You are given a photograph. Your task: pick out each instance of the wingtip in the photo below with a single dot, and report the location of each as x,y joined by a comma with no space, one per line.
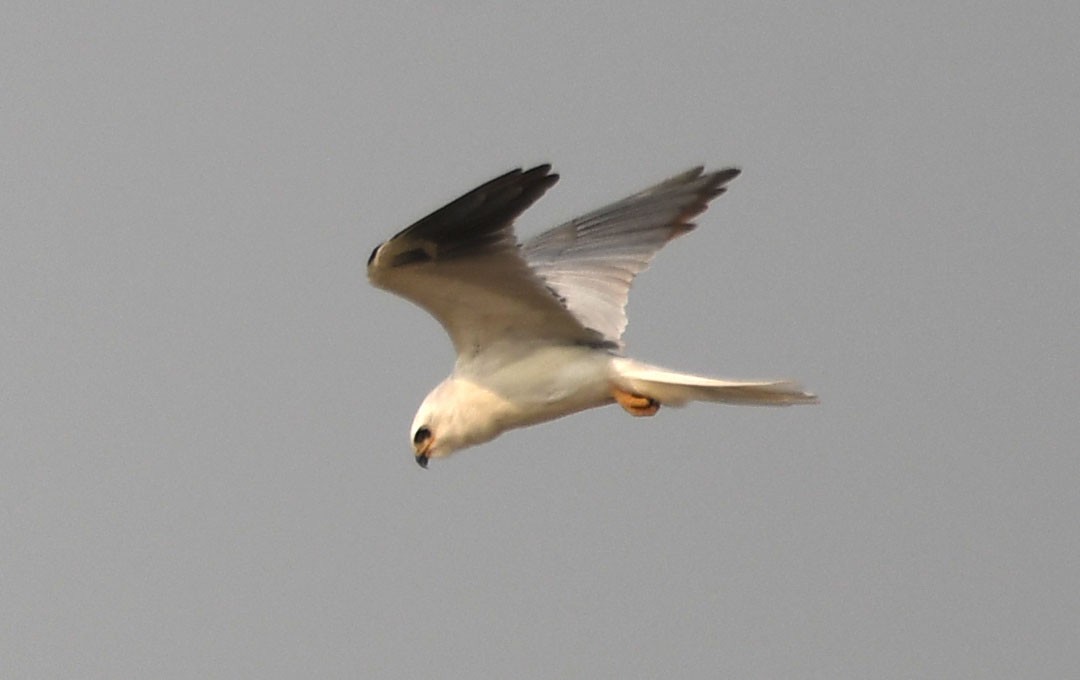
722,175
542,169
720,178
539,176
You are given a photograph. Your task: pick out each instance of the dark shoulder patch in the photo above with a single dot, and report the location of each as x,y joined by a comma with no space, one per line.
599,343
413,256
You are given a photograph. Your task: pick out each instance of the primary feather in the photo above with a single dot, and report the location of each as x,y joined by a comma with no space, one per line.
592,261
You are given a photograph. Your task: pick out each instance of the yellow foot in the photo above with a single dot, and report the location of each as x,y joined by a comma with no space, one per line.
635,404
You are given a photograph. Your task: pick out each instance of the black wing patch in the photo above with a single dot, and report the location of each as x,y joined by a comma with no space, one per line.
477,220
413,256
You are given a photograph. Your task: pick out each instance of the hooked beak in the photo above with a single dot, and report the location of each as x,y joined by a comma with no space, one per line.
422,452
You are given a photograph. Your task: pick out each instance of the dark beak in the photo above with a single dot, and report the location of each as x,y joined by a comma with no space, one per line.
421,460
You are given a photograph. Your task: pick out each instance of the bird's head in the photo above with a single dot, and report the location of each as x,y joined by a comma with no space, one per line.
454,415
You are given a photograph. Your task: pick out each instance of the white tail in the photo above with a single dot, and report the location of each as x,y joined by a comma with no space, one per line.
672,388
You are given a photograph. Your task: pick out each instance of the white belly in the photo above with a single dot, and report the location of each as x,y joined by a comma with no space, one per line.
542,382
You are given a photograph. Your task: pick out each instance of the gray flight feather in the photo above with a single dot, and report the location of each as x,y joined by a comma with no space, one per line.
591,261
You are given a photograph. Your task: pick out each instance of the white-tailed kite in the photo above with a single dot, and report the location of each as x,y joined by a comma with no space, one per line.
537,326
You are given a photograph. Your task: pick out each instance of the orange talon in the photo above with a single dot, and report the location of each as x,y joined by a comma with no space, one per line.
635,404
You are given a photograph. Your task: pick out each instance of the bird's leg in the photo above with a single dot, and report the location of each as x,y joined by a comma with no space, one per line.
635,404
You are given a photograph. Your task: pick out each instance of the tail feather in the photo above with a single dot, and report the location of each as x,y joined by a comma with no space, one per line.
672,388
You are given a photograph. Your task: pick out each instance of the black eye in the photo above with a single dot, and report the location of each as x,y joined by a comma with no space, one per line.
421,436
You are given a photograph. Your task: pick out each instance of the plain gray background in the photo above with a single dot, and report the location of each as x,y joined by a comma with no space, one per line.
205,407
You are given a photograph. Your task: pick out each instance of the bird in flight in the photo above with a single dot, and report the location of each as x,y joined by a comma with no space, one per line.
537,326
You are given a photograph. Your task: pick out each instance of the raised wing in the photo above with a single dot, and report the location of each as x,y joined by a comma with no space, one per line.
462,264
590,262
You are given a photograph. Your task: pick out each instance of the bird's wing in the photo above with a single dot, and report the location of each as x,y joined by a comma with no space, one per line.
463,265
590,262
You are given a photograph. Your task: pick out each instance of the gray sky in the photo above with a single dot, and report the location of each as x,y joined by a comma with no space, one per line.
205,408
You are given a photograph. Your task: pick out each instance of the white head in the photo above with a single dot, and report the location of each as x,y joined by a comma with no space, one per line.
454,415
